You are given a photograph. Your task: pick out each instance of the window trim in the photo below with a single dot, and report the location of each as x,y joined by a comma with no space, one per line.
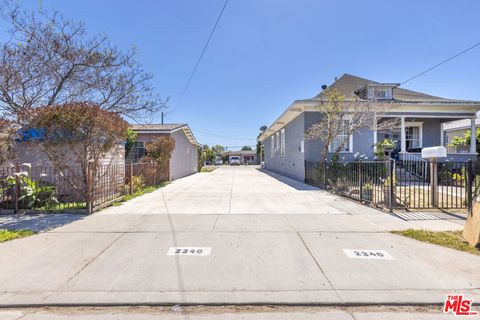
350,141
272,146
282,142
132,155
277,144
419,125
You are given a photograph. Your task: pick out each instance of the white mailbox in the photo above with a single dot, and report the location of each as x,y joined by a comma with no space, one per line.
434,152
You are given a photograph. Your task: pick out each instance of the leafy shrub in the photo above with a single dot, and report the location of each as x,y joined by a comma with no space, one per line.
32,193
138,182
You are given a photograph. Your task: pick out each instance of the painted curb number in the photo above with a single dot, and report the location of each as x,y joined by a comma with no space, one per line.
189,251
367,254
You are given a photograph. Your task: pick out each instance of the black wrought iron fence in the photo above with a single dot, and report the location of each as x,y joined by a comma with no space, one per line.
400,184
47,189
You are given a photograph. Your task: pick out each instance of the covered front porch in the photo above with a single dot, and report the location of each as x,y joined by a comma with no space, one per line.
414,133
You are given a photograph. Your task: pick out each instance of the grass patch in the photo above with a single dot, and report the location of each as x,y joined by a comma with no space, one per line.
449,239
207,169
58,207
139,192
6,235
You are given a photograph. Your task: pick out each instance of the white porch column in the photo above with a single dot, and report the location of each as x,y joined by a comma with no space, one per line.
403,137
473,136
375,133
442,142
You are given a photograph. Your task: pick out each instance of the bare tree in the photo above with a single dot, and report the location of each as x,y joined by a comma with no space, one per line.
7,134
50,60
340,118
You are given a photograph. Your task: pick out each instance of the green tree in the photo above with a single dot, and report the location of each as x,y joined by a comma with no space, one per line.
218,149
130,139
246,148
260,149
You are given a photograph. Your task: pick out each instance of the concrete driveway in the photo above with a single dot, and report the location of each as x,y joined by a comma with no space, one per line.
269,240
238,190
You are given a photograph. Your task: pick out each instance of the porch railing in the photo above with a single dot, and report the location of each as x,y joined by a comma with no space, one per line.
415,165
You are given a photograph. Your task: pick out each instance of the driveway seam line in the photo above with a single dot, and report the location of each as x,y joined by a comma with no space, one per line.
215,223
231,193
319,267
94,258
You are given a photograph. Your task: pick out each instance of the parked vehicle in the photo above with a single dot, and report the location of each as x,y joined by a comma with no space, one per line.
234,161
218,162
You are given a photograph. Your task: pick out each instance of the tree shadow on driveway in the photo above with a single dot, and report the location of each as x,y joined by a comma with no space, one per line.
37,222
289,181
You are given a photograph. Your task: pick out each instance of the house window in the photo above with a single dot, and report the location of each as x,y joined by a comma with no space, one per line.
277,146
282,142
272,146
137,152
302,146
413,136
342,138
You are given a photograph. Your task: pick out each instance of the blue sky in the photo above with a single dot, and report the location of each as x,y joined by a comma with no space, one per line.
267,53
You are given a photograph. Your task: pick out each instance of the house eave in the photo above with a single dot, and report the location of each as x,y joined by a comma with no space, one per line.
447,109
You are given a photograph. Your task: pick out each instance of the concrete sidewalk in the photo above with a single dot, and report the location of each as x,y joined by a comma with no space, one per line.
333,314
260,259
305,255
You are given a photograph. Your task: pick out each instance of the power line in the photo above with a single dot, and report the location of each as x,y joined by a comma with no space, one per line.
214,134
200,57
222,136
439,64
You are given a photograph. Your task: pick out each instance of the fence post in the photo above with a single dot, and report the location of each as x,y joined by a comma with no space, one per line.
434,182
89,188
17,187
360,180
470,183
130,180
391,191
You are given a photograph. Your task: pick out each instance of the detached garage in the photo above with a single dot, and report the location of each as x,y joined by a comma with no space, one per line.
184,160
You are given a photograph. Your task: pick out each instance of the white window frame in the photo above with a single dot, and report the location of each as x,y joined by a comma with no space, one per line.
282,142
419,125
350,141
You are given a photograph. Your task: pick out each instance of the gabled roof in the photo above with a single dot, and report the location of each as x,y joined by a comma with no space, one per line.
348,84
404,101
157,127
165,128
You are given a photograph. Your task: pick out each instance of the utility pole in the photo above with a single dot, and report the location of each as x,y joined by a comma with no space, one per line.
162,117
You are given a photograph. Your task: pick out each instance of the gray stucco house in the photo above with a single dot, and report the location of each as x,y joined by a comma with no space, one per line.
184,160
422,119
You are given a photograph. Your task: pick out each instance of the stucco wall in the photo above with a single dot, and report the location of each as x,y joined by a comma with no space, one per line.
30,152
362,143
292,163
184,159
